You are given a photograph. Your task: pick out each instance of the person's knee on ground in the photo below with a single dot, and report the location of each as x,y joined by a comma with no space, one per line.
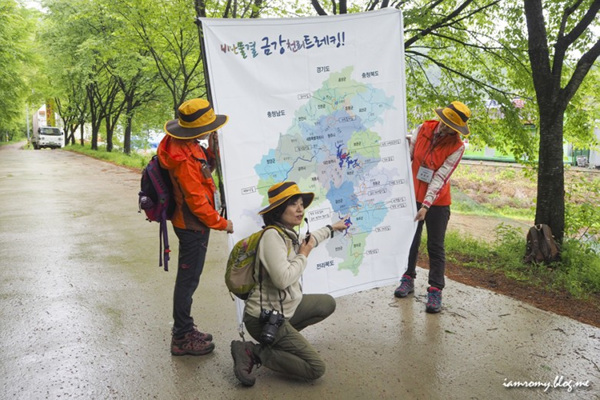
313,309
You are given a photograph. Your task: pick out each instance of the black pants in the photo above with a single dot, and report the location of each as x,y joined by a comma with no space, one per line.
192,253
436,221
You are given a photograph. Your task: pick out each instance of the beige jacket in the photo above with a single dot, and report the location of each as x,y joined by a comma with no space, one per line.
282,272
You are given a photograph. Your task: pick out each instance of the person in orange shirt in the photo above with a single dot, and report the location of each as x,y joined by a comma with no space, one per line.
190,166
436,149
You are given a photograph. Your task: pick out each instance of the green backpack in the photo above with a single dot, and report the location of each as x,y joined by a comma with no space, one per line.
239,274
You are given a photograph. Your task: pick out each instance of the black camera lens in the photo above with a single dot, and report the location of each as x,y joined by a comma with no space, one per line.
275,319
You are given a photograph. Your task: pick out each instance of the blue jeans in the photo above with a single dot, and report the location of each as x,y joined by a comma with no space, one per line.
192,253
436,221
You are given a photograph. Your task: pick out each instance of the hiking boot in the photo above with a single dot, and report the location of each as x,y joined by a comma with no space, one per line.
207,337
407,285
434,300
243,361
191,344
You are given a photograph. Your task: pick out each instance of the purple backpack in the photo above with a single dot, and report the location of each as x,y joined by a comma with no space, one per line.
156,199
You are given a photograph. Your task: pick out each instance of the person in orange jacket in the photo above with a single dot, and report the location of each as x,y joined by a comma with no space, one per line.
436,149
190,167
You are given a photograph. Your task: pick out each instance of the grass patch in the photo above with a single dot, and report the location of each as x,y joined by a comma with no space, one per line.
578,273
488,190
463,204
133,160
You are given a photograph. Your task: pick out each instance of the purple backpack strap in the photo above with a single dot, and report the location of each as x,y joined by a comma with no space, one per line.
164,238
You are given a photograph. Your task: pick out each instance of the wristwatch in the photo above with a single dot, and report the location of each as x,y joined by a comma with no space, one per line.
330,230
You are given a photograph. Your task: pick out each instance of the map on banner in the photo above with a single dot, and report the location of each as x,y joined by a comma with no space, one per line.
332,150
327,111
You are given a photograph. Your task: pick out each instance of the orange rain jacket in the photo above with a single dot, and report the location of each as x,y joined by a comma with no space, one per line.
194,193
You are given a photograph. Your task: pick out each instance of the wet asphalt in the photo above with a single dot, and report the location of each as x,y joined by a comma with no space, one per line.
85,313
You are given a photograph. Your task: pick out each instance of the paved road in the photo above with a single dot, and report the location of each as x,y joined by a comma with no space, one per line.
85,313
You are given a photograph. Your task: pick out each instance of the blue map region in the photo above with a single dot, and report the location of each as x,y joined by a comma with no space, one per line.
370,215
278,171
331,150
342,198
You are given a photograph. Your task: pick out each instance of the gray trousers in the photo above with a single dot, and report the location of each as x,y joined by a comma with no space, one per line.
290,353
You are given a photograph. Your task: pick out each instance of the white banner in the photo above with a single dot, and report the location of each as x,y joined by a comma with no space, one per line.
319,101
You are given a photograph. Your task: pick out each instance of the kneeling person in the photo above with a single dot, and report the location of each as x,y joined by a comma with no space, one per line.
278,295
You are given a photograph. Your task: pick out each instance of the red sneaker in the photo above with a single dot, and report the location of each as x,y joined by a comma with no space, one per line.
434,300
407,286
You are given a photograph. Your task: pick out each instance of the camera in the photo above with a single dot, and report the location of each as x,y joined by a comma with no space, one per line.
272,320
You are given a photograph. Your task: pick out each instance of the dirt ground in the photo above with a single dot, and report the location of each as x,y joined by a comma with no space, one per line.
520,190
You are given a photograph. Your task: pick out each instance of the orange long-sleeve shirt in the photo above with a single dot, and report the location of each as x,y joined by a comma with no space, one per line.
193,191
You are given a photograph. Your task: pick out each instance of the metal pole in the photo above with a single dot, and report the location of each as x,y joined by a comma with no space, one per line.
209,98
203,54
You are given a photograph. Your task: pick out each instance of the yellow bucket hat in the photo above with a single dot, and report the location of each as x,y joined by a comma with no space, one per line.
196,118
280,192
455,115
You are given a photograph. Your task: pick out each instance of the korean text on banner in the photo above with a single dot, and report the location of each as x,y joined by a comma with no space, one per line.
319,101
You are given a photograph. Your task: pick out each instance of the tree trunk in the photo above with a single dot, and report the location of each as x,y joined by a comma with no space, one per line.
95,117
553,96
109,134
71,136
94,145
550,208
127,136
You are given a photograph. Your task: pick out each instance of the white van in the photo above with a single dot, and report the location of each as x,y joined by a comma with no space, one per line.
47,136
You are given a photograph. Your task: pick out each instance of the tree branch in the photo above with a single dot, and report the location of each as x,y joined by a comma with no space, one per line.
371,5
565,18
579,29
583,66
488,49
463,75
562,42
424,72
317,6
447,20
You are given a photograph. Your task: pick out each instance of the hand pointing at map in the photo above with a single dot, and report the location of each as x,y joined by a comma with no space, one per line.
341,224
